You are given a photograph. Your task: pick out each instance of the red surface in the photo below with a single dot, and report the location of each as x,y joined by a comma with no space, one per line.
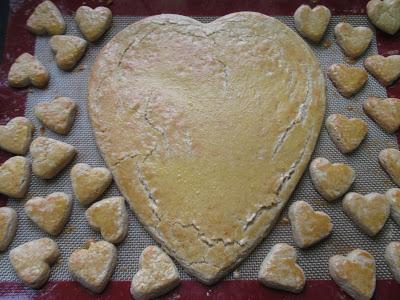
12,103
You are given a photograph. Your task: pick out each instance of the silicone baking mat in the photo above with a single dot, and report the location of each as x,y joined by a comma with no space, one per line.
346,236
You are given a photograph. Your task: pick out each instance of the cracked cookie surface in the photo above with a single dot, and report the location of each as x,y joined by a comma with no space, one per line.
206,159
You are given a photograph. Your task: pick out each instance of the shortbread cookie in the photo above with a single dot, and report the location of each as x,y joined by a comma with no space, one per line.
393,196
279,269
354,273
16,136
93,22
46,19
109,216
32,261
15,177
385,14
347,134
331,180
347,80
50,156
57,115
312,23
50,213
308,226
157,275
385,112
369,212
27,70
68,50
92,267
392,257
390,162
8,226
89,183
353,40
385,69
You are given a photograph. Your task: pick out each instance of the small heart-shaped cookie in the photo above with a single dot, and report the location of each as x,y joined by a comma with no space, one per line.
32,261
385,112
369,212
390,162
93,22
50,156
392,257
93,267
347,80
393,196
354,273
8,226
385,14
89,183
16,136
308,226
68,50
46,19
312,23
385,69
279,269
353,40
331,180
50,213
157,275
15,177
109,216
27,70
347,134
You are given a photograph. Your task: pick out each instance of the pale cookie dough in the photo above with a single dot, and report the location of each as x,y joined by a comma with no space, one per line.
46,19
50,156
163,95
353,40
385,14
16,136
57,115
50,213
347,80
312,23
308,226
390,162
393,196
279,269
8,226
92,267
109,216
89,183
32,261
392,257
385,69
68,50
15,177
27,70
347,134
369,212
93,22
354,273
157,275
331,180
385,112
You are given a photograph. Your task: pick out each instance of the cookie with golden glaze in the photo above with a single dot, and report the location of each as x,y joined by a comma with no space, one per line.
16,136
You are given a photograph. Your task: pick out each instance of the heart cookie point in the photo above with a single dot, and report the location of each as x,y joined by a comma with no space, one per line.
353,40
16,136
8,226
46,19
390,162
27,70
68,50
157,275
15,177
385,112
347,80
385,69
312,23
93,22
385,14
369,212
393,196
392,257
279,269
32,261
93,267
354,273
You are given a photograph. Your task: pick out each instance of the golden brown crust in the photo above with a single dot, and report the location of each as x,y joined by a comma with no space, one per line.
385,112
353,40
27,70
347,80
385,69
312,23
68,50
46,19
93,22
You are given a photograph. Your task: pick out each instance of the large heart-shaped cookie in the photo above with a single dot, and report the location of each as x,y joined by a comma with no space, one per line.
385,14
16,136
353,40
207,128
93,22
